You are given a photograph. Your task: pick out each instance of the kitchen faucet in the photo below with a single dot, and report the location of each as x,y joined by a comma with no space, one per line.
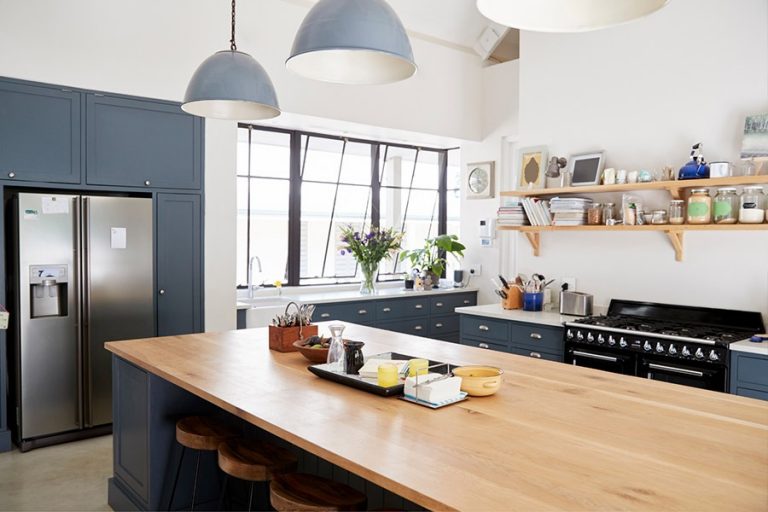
250,275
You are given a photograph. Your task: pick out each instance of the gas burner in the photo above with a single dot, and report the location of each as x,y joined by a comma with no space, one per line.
670,332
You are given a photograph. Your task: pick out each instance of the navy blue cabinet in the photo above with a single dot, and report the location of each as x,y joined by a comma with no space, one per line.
138,143
749,375
40,137
521,338
179,264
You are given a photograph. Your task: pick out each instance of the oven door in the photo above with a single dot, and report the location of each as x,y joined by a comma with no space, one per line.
704,377
590,357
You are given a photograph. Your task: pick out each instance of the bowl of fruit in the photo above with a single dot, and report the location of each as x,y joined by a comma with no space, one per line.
314,348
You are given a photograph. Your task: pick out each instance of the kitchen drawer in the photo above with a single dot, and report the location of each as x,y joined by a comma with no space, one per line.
357,312
448,303
485,328
750,393
538,354
440,325
750,369
499,347
401,308
417,327
537,337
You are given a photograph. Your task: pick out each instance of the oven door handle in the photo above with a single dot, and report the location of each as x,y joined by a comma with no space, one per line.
595,356
684,371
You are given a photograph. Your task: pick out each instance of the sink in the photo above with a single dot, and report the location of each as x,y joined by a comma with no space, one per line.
259,302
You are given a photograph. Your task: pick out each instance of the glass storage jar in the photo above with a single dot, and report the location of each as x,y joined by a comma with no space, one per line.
726,206
609,213
659,217
677,211
752,205
699,207
595,214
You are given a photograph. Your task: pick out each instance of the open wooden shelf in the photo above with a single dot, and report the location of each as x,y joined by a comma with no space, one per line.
673,187
674,232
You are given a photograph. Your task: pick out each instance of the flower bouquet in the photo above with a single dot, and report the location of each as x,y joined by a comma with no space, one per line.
369,249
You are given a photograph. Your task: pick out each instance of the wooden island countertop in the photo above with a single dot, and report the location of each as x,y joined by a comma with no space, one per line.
555,437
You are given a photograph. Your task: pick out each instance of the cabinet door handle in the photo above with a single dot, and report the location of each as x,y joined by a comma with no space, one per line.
482,345
147,183
325,315
11,174
386,310
467,301
438,325
438,304
536,355
535,335
419,306
362,312
162,291
418,328
484,328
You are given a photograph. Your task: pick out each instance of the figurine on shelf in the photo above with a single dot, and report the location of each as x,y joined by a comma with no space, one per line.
696,168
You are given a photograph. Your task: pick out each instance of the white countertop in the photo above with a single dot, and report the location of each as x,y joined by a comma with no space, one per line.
517,315
751,347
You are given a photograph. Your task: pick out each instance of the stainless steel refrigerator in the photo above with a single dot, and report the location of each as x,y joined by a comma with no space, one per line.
83,270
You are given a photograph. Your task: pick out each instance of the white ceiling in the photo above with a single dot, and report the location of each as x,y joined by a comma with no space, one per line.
457,22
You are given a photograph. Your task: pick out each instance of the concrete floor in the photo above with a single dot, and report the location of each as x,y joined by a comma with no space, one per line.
70,476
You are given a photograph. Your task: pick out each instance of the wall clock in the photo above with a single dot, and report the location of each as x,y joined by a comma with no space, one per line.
480,180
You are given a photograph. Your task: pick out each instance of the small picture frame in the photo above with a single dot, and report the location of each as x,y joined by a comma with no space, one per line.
480,180
586,169
532,163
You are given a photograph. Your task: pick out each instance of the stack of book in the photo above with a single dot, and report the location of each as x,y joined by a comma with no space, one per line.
537,211
511,214
569,211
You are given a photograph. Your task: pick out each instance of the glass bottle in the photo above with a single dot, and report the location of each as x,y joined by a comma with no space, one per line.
336,350
699,207
609,213
726,207
595,214
752,205
676,211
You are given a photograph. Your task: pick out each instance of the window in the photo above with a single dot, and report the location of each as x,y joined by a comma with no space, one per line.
297,190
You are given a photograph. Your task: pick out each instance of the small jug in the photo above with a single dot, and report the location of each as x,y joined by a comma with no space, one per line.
353,357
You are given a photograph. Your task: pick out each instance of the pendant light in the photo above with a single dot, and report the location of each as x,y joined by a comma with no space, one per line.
231,85
566,15
359,42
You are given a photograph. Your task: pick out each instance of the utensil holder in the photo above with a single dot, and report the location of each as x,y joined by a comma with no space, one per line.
514,299
281,338
533,301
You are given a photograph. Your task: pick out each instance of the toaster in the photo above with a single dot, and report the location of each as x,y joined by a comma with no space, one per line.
575,303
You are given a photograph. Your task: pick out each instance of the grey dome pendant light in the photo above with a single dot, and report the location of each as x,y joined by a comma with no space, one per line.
566,15
231,85
358,42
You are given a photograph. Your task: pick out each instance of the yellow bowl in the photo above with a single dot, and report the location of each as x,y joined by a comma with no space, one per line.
479,380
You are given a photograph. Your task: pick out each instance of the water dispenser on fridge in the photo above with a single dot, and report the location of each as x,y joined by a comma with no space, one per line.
48,290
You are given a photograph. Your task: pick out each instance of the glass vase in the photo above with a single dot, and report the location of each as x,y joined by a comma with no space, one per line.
336,350
368,284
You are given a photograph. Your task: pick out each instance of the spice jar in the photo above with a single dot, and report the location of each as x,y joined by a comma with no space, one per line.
726,206
699,207
659,217
676,211
609,213
752,205
595,214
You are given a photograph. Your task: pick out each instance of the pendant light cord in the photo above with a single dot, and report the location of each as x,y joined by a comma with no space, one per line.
232,44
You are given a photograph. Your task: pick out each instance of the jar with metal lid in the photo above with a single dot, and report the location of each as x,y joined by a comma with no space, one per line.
659,217
752,205
609,214
726,206
595,214
677,211
699,207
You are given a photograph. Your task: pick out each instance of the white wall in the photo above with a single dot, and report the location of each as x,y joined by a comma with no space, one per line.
151,48
644,92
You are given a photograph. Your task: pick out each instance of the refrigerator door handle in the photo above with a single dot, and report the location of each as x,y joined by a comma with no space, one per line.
77,281
85,338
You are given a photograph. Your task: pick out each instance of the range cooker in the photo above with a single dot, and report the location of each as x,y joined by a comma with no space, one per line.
678,344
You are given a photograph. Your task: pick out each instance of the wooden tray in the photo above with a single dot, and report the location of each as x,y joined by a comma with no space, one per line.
370,385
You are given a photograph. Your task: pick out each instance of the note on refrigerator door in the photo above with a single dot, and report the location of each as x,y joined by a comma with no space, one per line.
55,205
118,238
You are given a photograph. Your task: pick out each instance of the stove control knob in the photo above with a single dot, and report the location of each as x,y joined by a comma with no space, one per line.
699,354
647,346
590,337
623,343
600,338
672,350
579,336
686,352
659,347
569,334
611,340
713,356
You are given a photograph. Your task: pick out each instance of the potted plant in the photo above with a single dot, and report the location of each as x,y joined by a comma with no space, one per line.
369,249
431,258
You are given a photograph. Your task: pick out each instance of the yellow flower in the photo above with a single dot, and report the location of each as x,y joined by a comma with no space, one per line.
278,284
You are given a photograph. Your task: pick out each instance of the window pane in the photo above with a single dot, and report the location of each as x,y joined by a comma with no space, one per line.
321,159
397,169
356,167
420,214
453,227
427,174
454,169
269,229
270,154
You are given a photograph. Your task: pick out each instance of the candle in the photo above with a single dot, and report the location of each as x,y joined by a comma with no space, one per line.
417,367
388,375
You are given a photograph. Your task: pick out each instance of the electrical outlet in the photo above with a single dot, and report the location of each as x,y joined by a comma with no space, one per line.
475,270
571,282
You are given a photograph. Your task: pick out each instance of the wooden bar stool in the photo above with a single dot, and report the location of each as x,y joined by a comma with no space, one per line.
253,461
303,492
199,433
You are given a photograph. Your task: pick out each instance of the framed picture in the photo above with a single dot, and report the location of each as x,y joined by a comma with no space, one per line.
755,141
532,165
480,180
586,169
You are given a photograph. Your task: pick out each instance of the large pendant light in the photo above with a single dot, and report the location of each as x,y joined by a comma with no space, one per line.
359,42
231,85
566,15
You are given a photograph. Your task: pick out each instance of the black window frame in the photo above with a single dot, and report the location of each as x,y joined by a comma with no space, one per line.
296,169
